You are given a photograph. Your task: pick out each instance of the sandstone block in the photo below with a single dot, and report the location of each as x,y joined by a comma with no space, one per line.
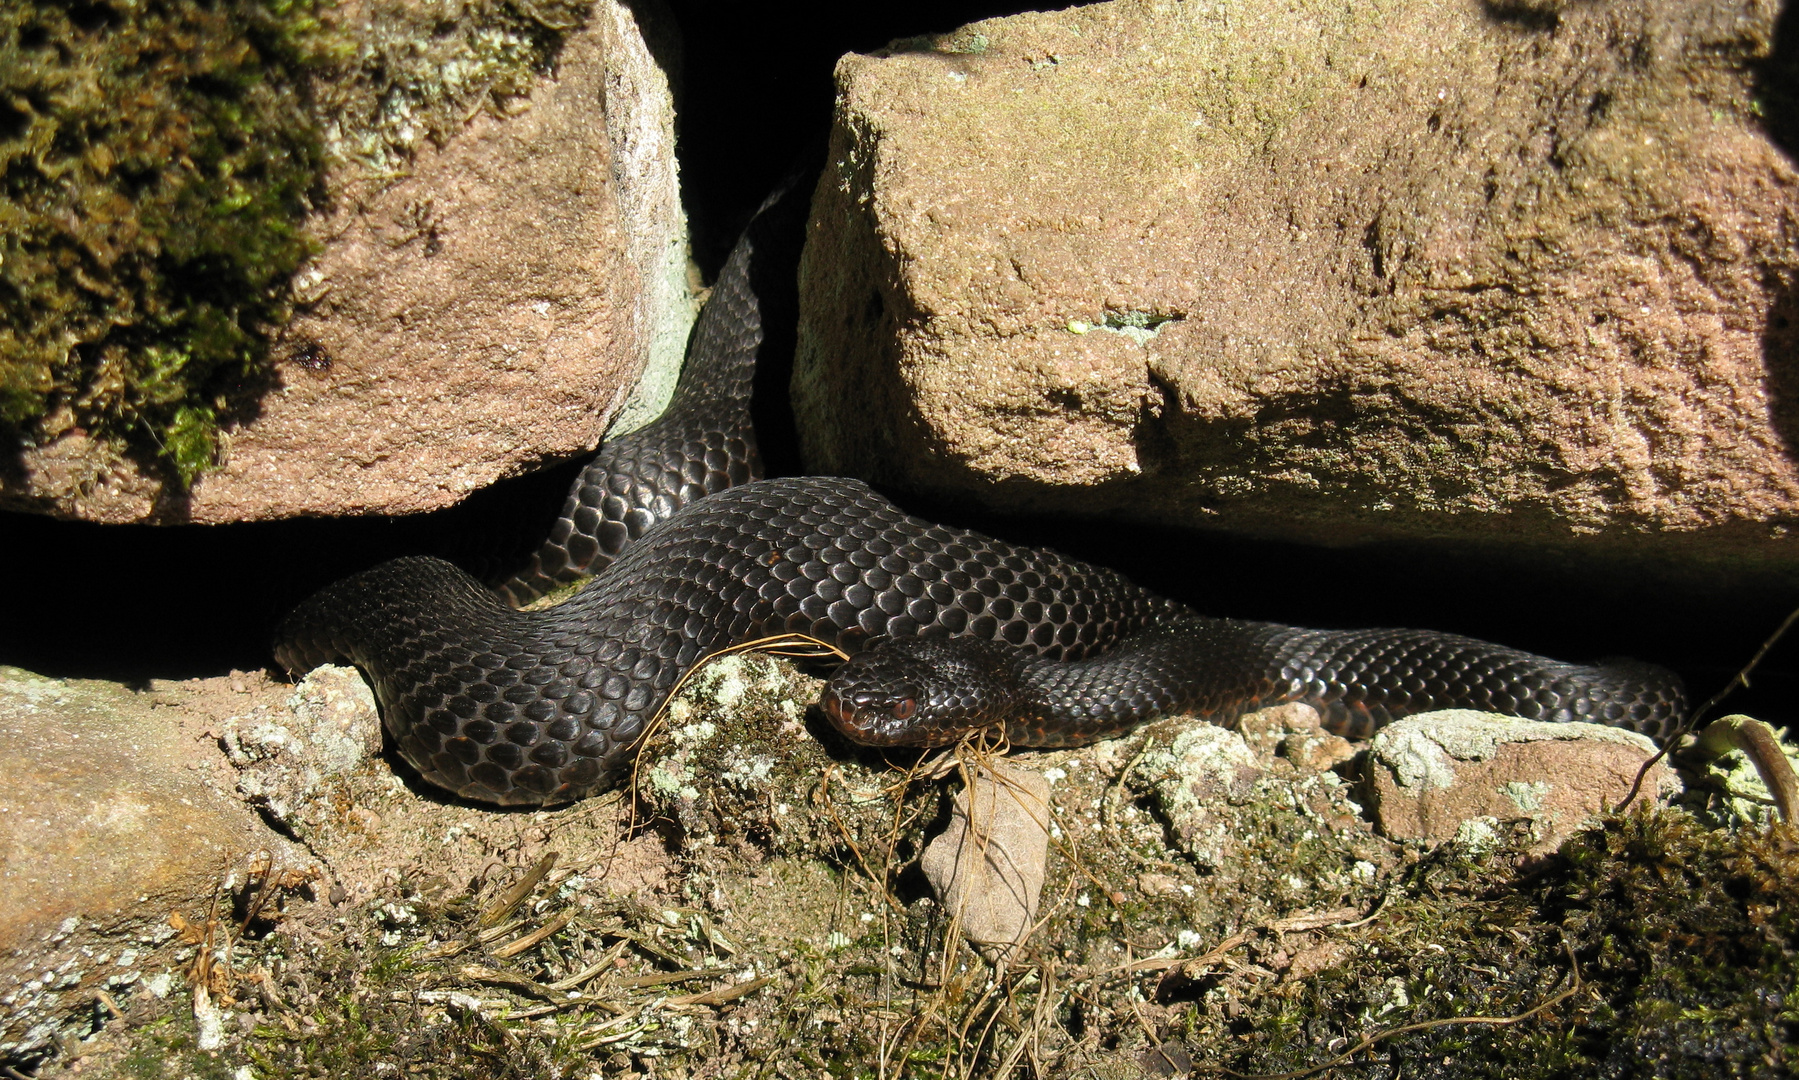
115,814
1319,271
491,310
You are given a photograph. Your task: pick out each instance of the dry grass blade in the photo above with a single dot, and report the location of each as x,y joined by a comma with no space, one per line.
515,896
598,966
513,948
506,980
664,978
1194,967
724,993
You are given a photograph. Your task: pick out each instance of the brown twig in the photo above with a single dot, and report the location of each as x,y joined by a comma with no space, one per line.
513,948
515,896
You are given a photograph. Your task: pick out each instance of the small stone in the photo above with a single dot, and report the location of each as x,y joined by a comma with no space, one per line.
987,866
1266,730
1433,774
1317,752
1158,885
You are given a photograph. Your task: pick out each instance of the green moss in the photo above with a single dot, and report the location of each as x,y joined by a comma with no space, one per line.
156,163
416,72
165,1051
1686,937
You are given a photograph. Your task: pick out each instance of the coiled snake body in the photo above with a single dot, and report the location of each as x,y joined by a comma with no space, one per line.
949,629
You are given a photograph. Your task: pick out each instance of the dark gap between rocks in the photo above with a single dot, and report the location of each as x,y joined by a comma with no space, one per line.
139,602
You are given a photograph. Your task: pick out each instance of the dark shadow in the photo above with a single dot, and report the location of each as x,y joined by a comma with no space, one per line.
1780,348
1540,16
779,234
142,601
755,88
1777,95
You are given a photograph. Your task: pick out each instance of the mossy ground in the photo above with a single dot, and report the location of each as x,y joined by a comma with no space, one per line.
160,161
1688,983
757,912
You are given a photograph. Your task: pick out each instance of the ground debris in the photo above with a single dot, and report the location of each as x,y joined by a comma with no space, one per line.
1209,903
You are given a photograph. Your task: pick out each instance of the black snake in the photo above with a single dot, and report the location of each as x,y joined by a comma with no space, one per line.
696,555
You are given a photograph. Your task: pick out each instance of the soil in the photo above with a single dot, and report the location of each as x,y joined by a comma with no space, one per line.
753,907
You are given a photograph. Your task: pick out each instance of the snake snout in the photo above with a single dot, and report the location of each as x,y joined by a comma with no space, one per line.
872,717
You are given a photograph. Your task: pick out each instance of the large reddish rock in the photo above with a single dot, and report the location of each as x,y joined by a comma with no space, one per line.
117,822
1319,270
490,311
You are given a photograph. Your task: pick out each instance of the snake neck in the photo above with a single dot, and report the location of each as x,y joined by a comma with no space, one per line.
932,693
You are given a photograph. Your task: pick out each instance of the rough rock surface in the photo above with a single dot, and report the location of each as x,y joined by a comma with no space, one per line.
1414,270
1431,774
987,865
292,756
114,813
493,309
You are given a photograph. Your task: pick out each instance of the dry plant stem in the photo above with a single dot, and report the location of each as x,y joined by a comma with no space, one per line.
515,896
506,980
1758,743
1028,1036
1574,986
593,969
1197,966
665,978
723,994
1692,721
1117,785
513,948
829,805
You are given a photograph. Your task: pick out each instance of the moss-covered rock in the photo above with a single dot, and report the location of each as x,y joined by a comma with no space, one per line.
158,161
1663,949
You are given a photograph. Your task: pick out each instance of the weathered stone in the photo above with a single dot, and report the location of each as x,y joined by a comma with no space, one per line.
1323,271
291,756
1296,732
114,814
988,864
1202,772
491,310
1431,774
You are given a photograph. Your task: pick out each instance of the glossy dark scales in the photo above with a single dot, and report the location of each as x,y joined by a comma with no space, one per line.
694,555
520,707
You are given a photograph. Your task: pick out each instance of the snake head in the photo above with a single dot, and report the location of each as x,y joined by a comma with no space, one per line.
920,692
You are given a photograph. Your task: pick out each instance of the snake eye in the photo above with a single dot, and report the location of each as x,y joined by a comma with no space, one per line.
904,708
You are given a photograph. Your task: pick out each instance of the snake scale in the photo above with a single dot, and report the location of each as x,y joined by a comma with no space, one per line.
948,629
